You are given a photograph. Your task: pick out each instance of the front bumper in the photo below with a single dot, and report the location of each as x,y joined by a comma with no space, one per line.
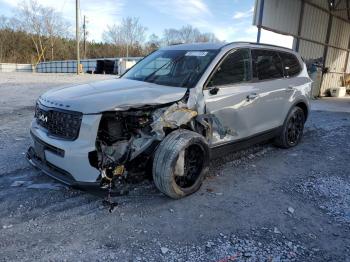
55,172
66,161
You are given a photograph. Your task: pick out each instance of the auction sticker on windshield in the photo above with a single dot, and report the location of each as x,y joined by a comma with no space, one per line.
196,53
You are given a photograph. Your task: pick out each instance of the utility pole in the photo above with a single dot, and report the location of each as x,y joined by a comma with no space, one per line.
84,28
77,33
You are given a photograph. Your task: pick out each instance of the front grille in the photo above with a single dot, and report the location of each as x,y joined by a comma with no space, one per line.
59,123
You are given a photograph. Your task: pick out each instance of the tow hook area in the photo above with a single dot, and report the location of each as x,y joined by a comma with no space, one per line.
109,181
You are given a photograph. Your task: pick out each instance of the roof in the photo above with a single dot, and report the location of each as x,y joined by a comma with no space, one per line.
259,45
195,46
217,46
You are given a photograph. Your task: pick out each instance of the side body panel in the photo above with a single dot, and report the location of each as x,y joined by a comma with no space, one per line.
237,115
243,118
272,104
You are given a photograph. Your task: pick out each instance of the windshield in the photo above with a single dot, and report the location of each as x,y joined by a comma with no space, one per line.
181,68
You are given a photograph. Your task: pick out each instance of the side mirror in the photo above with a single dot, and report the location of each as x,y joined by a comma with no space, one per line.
213,90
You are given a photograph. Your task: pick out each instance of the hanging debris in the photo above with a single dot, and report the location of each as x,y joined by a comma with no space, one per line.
173,117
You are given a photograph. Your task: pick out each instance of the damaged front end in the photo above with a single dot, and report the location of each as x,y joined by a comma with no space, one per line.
126,141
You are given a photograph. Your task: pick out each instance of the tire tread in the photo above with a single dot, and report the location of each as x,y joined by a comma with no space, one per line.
165,156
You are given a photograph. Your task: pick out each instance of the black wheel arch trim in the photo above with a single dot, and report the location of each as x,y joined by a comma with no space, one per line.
305,107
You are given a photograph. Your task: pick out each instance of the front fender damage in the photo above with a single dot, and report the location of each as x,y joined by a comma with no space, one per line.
126,140
173,117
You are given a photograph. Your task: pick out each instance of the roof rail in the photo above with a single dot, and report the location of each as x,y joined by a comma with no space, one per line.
253,43
179,43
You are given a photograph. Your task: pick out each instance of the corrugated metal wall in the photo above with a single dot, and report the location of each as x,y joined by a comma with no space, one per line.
310,50
340,33
282,16
320,3
343,13
336,60
314,27
315,24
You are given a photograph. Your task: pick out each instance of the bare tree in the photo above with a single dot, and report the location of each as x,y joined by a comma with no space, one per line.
153,43
4,24
171,36
128,34
187,34
55,26
207,37
29,19
113,35
133,32
43,24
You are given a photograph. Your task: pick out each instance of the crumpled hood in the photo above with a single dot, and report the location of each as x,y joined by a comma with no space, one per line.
114,94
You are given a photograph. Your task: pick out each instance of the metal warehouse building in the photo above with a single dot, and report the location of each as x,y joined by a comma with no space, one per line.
321,30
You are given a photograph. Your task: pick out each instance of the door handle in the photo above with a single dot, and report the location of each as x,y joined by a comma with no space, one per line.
213,90
290,88
251,96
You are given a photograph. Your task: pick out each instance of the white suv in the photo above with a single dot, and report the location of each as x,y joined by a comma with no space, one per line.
169,113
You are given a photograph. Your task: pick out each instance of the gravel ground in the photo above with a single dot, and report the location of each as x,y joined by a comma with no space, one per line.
259,204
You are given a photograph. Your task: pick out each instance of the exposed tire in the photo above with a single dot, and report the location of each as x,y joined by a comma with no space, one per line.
292,130
180,163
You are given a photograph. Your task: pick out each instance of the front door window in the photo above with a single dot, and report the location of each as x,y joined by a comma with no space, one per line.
235,68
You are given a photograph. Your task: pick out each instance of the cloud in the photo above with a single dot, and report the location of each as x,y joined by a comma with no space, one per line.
98,14
240,29
224,34
269,37
194,12
198,14
244,14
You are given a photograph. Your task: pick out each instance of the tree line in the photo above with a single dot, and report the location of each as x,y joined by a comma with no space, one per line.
38,33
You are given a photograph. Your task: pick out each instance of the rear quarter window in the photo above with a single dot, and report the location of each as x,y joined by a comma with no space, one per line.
291,64
267,64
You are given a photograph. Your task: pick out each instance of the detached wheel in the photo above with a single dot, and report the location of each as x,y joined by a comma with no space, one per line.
292,130
180,163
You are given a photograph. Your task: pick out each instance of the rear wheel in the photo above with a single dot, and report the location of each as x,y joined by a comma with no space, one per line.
292,130
180,163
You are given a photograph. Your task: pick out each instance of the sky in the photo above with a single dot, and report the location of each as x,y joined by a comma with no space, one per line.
229,20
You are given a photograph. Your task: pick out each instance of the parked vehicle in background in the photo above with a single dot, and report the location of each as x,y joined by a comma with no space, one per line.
169,114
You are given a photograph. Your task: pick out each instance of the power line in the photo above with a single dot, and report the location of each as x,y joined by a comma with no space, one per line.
63,5
84,28
77,33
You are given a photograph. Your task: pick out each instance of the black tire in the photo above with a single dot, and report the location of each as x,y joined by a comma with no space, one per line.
292,130
195,150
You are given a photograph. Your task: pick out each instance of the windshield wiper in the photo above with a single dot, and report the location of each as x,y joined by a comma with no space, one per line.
189,77
177,59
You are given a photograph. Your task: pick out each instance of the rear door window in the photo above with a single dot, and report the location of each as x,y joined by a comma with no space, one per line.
291,64
266,64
